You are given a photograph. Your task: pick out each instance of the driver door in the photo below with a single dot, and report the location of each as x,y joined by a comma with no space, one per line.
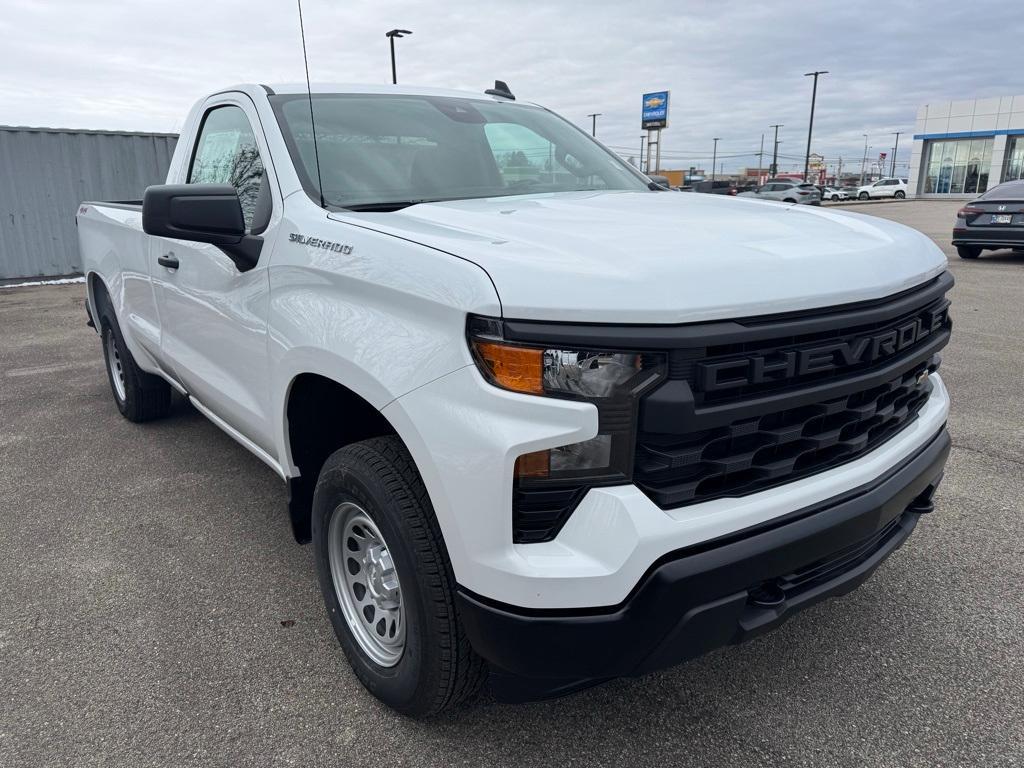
214,317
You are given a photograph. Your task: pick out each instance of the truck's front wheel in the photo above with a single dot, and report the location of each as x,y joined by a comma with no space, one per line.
139,396
387,582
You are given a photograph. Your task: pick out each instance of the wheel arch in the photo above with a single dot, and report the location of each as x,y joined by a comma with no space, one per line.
319,416
96,292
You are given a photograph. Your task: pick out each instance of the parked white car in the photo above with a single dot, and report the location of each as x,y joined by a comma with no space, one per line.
787,191
834,194
896,188
546,428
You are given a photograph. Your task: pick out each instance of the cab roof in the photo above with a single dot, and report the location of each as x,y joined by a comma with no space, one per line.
409,90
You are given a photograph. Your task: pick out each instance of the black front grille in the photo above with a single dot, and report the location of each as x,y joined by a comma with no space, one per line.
779,447
763,402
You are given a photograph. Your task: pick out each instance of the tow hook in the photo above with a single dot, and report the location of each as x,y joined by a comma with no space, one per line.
923,504
767,595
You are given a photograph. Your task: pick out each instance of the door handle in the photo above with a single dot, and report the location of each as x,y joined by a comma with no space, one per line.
168,260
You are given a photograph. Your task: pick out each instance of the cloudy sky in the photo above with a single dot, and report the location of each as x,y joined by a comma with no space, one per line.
734,67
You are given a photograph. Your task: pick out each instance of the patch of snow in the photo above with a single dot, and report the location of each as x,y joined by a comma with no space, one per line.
57,281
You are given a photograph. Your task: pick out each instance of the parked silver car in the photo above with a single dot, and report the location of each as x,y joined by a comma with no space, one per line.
787,191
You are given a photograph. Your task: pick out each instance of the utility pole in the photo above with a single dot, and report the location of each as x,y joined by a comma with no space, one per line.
714,159
775,153
864,162
391,36
892,171
593,122
810,124
760,160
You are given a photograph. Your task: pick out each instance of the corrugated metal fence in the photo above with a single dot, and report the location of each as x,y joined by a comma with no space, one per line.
46,173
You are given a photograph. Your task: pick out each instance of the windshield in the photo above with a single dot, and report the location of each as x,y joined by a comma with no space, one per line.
379,151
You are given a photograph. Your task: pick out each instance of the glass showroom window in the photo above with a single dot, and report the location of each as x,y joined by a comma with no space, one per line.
958,167
1014,159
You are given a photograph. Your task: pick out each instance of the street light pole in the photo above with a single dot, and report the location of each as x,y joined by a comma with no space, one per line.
714,158
892,171
775,153
593,122
391,36
864,162
810,124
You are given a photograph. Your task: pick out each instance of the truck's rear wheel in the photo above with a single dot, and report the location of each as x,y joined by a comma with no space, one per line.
387,582
968,251
139,396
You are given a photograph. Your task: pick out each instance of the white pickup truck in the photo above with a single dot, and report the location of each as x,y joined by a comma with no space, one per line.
542,421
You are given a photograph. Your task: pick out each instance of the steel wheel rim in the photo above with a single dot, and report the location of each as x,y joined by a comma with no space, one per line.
116,369
366,584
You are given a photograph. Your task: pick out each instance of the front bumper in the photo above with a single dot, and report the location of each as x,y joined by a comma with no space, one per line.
709,595
465,436
989,237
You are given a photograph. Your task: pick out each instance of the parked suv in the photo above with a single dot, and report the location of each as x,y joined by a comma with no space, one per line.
787,192
896,188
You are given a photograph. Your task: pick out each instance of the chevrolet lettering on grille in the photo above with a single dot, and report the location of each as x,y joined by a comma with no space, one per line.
715,376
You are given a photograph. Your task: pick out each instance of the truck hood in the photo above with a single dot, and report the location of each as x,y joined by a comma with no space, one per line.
638,257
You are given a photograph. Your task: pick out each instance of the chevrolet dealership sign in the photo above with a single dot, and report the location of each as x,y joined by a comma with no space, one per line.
654,113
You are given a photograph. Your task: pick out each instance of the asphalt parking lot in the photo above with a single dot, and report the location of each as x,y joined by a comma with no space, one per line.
145,572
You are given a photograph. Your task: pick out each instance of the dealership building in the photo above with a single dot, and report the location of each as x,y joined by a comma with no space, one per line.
962,148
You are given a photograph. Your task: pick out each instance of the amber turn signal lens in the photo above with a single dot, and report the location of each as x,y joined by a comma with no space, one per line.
536,464
517,368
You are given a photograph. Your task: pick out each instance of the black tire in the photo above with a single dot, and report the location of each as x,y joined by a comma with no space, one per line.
968,251
437,668
899,194
788,200
835,198
141,396
863,196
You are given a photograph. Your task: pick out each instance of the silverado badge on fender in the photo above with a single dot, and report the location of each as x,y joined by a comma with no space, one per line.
315,242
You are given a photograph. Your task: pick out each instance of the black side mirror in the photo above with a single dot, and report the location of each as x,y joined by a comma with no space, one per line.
202,213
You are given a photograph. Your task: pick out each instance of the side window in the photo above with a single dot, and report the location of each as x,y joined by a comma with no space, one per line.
226,153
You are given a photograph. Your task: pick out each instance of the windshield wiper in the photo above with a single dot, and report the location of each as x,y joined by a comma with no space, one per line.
389,205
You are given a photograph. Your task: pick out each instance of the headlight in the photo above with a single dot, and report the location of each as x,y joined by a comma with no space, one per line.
550,482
